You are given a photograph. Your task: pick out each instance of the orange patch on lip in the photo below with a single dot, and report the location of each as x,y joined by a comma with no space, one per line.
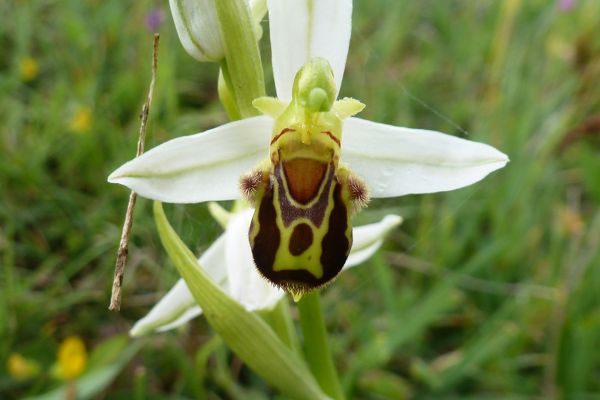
304,177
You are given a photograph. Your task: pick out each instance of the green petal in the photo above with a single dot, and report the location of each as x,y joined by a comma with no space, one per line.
244,332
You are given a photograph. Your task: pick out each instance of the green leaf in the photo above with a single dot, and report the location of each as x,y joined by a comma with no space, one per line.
108,351
387,385
490,342
244,332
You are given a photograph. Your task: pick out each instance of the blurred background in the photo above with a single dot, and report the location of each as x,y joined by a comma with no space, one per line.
491,291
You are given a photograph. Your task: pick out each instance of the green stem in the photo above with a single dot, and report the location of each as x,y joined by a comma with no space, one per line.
316,346
226,94
280,320
242,55
201,364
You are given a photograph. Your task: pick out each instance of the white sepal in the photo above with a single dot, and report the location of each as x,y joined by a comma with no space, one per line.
396,161
367,239
203,167
178,306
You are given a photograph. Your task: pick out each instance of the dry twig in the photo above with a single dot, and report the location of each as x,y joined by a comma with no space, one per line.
115,298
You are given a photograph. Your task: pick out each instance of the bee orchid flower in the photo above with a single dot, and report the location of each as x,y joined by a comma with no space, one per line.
343,157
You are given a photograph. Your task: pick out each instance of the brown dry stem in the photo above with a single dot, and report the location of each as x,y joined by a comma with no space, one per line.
115,298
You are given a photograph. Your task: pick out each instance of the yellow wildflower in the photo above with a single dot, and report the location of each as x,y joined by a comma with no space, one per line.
81,121
72,357
28,69
21,368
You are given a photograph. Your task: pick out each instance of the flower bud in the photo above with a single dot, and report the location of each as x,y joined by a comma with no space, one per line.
198,28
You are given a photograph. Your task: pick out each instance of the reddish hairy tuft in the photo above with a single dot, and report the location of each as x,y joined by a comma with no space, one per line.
249,184
359,193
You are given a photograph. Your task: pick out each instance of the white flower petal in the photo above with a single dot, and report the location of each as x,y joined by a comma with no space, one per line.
367,239
303,29
202,167
178,305
246,285
189,314
396,161
171,307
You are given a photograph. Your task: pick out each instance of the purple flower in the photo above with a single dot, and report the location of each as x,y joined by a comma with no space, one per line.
154,19
565,5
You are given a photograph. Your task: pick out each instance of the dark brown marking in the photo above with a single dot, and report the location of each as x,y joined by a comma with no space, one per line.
335,244
304,177
286,130
328,133
301,239
268,238
296,280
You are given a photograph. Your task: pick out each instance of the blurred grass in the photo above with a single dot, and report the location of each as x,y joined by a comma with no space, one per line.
487,292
